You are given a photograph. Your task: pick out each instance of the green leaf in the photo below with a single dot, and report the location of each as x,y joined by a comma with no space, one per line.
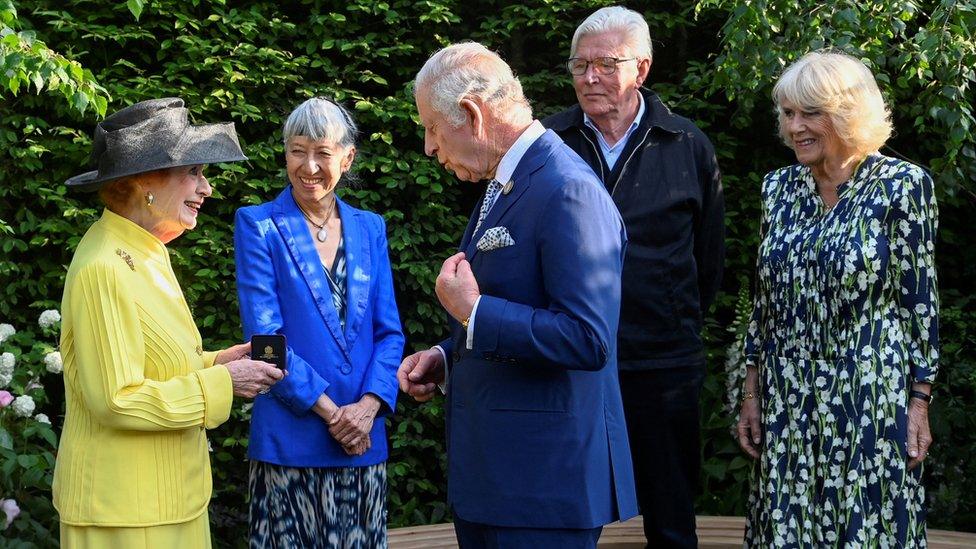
135,7
6,441
27,461
80,101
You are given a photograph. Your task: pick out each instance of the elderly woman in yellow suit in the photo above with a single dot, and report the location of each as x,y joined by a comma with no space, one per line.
133,468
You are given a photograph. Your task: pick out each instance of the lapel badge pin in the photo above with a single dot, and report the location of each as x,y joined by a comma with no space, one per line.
508,187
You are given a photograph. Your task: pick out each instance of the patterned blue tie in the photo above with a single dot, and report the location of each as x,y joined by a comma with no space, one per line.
490,193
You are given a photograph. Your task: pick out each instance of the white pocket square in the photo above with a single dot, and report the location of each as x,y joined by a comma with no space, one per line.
494,238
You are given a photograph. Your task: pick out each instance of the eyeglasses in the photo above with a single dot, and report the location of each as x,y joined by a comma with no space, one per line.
602,65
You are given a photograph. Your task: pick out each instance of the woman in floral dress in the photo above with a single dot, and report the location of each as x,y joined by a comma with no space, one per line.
843,341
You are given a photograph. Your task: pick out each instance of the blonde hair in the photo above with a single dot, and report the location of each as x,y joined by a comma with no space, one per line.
469,69
842,87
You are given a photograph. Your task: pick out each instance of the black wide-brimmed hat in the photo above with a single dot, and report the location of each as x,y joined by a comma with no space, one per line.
152,135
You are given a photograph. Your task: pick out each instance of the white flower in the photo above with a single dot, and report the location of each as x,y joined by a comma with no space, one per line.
52,361
11,509
23,406
7,361
42,418
49,318
6,330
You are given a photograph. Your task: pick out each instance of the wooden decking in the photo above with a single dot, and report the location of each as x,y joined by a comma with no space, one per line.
713,533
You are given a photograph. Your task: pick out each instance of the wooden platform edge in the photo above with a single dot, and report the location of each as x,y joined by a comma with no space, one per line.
713,532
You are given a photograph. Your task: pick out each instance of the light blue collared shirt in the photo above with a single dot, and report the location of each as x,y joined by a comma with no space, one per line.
612,154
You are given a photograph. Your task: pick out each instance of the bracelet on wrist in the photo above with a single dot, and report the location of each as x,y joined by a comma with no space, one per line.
920,396
747,395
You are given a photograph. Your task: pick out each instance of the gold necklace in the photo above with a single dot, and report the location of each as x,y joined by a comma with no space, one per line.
322,235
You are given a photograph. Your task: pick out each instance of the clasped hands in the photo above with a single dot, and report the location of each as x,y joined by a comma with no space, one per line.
351,424
458,291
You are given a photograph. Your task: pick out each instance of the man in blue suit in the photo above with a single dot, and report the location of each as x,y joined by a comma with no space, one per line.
537,445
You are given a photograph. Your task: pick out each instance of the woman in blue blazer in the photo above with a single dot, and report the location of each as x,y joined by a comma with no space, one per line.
316,270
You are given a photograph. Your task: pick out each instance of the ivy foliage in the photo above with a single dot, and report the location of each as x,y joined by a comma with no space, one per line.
252,61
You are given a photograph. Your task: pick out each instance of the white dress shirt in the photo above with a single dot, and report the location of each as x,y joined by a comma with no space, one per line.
503,174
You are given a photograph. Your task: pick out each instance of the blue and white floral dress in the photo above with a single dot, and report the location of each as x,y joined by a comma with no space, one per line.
845,318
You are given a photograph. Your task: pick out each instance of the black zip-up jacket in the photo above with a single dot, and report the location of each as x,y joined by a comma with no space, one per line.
668,189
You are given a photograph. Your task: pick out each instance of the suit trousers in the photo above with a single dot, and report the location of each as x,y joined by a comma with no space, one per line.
473,535
663,423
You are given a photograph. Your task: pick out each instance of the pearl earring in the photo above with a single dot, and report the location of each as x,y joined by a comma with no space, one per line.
149,198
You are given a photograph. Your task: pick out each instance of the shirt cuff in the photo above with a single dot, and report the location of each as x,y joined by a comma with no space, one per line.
443,385
469,341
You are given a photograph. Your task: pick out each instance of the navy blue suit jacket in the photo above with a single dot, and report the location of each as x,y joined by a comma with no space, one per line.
536,432
283,289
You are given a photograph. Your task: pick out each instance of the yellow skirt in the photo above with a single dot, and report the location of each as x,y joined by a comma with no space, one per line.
194,534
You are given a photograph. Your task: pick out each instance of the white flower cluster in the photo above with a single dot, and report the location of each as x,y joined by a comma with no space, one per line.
42,418
49,318
6,330
7,361
23,406
52,362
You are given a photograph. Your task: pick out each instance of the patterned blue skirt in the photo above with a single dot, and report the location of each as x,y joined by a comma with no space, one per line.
327,507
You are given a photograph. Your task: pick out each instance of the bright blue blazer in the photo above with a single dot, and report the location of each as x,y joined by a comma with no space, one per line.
536,432
283,289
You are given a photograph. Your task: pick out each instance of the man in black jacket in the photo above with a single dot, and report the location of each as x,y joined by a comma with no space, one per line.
663,176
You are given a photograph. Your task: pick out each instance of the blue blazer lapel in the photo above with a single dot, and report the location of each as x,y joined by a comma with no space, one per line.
358,269
466,238
532,160
291,224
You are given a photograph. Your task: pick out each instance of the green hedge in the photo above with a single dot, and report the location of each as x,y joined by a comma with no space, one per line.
252,61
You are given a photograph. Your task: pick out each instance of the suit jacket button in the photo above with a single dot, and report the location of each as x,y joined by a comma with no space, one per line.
456,356
345,368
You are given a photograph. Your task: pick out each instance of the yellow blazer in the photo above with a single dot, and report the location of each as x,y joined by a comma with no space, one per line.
139,389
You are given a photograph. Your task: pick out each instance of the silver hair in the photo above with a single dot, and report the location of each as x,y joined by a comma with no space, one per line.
469,69
321,118
617,19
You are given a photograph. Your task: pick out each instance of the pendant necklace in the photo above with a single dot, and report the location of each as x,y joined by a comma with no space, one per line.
322,235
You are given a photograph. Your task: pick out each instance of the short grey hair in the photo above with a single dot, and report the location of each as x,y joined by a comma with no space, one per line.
637,35
469,69
844,88
321,118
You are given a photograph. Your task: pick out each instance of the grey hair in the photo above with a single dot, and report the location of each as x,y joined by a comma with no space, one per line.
617,19
321,118
469,69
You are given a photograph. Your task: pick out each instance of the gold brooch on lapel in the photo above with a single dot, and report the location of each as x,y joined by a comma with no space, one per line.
199,350
125,256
